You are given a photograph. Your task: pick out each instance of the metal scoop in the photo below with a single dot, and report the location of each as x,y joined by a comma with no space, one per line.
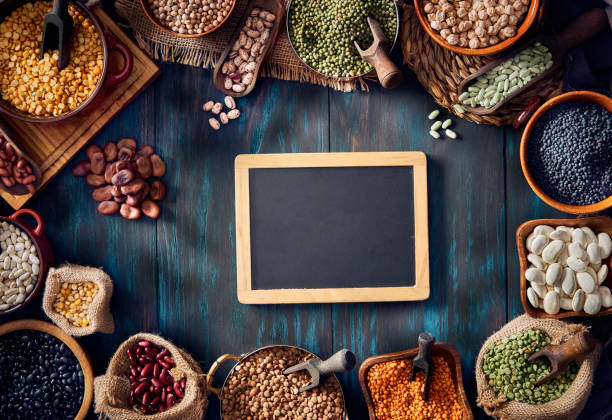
57,32
422,361
560,355
341,361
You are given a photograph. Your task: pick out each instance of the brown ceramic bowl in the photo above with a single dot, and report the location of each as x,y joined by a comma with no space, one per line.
598,224
36,233
73,345
529,19
157,23
581,95
107,78
444,350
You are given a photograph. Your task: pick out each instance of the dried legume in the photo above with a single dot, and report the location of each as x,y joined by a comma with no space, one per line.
395,397
191,17
73,300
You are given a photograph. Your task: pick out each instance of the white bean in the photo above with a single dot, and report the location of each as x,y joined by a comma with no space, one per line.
605,245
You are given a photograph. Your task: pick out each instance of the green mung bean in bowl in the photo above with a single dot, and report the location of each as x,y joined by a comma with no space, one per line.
322,33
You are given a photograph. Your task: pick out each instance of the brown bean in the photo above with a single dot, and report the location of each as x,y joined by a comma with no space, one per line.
102,193
110,151
120,199
116,191
21,163
159,167
133,187
150,209
132,213
127,142
29,179
4,172
31,188
94,180
97,163
108,207
144,167
145,151
8,181
135,199
147,370
122,177
158,190
81,169
109,172
28,169
93,149
125,153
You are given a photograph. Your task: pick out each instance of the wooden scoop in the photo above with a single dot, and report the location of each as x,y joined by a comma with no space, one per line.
341,361
560,355
585,26
57,32
422,361
378,56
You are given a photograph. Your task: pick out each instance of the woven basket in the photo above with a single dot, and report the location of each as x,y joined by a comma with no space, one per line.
441,71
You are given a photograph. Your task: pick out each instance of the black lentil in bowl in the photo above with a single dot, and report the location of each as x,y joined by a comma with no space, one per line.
40,377
570,153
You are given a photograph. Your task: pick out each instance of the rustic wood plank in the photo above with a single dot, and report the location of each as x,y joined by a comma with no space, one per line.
466,226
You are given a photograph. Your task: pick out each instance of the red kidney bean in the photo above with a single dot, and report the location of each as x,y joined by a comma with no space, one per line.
131,398
146,398
156,400
170,400
177,390
151,351
140,389
165,364
162,354
147,370
157,370
162,407
183,382
156,382
169,389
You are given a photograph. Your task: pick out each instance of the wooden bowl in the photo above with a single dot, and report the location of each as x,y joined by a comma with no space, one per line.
75,347
9,135
149,13
580,95
598,224
274,6
444,350
529,19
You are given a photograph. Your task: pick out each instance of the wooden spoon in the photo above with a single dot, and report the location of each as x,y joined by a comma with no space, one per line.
582,28
18,189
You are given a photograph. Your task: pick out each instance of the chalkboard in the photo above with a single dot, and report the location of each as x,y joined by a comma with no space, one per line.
324,228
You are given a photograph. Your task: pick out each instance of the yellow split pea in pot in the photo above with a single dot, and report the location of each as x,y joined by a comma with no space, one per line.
36,86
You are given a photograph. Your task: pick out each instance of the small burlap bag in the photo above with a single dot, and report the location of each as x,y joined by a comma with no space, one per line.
100,318
111,390
566,407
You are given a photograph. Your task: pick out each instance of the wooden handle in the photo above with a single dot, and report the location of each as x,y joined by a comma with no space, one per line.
527,112
585,26
342,361
213,369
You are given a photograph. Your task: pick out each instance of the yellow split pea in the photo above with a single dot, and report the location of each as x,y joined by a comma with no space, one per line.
36,86
73,300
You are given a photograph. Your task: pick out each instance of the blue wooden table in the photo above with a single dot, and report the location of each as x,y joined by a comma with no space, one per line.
177,275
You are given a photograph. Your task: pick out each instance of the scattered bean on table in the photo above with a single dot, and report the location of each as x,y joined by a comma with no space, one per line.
19,266
509,373
568,153
73,301
396,397
41,378
36,86
216,108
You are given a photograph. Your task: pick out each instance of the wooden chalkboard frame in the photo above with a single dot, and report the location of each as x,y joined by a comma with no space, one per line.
247,295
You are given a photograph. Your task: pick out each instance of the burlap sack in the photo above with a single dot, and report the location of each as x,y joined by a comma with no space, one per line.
111,390
568,406
100,318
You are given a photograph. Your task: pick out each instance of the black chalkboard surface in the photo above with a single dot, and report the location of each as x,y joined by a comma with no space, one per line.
329,230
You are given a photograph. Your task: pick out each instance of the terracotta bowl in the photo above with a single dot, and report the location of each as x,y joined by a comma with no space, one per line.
529,19
75,347
444,350
598,224
157,23
43,249
581,95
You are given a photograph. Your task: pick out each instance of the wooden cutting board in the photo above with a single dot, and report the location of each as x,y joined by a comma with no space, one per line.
53,145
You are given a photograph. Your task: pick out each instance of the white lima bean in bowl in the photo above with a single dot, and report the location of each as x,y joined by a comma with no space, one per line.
20,266
567,268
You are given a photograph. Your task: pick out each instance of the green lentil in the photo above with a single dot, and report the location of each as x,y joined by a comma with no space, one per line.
508,371
322,32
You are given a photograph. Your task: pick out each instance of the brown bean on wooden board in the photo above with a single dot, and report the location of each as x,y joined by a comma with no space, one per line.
8,181
127,142
125,153
81,169
29,179
159,167
110,151
145,151
108,207
103,193
97,163
4,172
122,177
94,180
150,209
158,190
133,187
93,149
144,167
130,212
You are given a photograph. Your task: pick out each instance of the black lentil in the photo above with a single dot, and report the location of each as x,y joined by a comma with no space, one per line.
40,377
570,153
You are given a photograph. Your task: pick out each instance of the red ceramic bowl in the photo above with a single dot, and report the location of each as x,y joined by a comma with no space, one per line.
43,248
